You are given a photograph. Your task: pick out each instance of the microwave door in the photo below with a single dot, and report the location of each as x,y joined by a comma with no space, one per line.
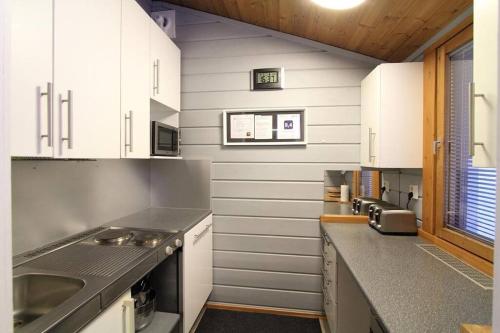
164,143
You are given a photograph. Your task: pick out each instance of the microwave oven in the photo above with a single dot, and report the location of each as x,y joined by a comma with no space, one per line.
164,139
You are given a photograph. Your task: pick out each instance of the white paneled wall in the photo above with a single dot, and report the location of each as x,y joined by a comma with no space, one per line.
266,200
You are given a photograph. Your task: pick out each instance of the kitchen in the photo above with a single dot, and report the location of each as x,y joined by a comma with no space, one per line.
218,147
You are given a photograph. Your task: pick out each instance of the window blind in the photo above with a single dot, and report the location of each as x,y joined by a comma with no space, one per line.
366,182
470,192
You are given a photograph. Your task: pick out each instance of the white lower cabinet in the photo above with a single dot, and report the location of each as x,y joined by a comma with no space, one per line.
197,276
117,318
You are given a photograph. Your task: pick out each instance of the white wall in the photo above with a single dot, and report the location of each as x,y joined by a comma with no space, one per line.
266,200
5,210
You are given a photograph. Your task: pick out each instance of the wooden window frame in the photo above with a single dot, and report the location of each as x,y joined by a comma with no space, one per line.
477,253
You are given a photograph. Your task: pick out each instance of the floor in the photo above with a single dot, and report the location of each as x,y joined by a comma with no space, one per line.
221,321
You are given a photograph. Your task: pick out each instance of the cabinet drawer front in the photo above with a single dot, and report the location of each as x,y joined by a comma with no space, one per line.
330,312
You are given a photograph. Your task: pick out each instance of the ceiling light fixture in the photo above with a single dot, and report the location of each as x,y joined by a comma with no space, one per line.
338,4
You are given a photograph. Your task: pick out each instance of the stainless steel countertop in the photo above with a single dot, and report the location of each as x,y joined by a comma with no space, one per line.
100,291
410,290
163,219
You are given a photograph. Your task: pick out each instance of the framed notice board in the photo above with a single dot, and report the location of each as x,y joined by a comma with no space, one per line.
264,127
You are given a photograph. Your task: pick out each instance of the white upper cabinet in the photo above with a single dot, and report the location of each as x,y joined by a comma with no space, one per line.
135,79
83,78
87,78
484,90
31,80
165,67
392,116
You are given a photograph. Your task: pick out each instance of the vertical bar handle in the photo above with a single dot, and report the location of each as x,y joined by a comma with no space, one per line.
49,134
472,112
472,120
128,316
370,148
130,145
69,136
158,76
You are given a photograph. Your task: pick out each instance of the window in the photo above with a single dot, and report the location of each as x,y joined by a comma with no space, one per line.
463,198
370,184
470,193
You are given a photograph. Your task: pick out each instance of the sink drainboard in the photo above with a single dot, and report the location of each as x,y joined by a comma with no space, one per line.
103,261
459,266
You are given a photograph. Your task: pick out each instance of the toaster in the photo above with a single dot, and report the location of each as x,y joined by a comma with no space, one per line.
396,222
361,205
375,209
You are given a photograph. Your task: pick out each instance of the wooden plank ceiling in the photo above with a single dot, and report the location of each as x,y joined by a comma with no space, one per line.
385,29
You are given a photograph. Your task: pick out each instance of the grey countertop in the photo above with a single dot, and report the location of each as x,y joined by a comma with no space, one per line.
410,290
163,218
337,208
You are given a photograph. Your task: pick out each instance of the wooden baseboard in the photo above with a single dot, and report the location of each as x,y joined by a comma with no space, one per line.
265,309
464,255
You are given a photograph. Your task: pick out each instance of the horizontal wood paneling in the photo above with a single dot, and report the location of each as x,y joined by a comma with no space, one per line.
334,134
268,244
211,31
262,279
218,48
268,190
268,262
274,171
266,226
267,297
267,200
318,78
315,59
269,208
341,153
265,99
316,134
323,115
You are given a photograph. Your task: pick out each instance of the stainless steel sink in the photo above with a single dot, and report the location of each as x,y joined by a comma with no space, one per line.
37,294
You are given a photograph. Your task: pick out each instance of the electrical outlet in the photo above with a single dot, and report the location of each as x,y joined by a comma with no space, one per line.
414,189
387,186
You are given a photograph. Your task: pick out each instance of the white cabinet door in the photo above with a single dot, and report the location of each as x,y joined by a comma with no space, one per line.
87,76
392,116
165,69
197,270
485,74
31,78
171,85
398,142
135,112
370,108
118,317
